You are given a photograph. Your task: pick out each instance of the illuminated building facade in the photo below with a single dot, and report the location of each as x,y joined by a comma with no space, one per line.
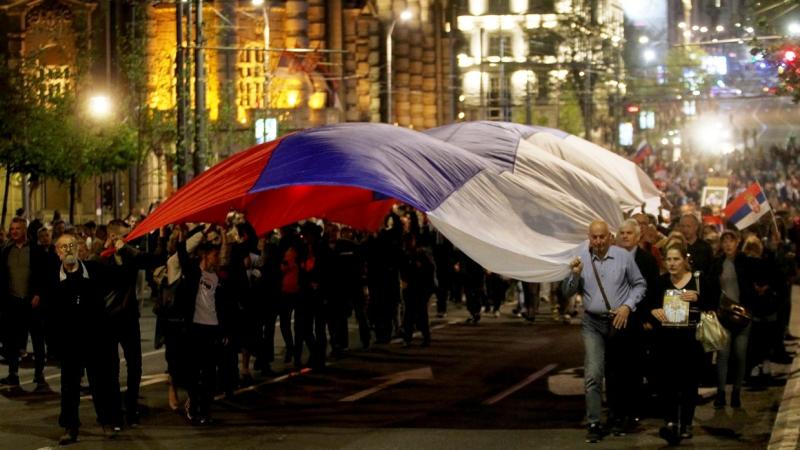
270,67
520,56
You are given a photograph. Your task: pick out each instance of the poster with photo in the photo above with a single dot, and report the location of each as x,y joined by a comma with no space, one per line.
676,310
714,196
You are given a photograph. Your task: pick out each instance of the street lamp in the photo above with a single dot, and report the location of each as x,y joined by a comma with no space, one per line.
100,106
649,55
404,17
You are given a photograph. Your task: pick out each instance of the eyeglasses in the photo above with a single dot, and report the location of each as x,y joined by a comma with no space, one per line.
65,247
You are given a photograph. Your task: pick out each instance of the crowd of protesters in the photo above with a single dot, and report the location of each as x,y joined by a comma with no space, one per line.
220,290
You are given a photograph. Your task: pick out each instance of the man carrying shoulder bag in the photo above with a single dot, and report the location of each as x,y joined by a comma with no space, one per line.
612,286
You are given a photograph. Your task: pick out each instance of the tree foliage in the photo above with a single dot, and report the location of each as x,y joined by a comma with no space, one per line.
47,133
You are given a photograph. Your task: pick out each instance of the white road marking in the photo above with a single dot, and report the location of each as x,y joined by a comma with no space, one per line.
533,377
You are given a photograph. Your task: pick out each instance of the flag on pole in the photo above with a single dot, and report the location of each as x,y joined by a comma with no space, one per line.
642,151
747,207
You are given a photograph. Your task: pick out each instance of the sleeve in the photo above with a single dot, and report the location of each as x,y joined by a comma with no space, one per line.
637,282
571,285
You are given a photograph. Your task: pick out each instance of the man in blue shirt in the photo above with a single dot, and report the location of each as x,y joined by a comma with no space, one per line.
607,307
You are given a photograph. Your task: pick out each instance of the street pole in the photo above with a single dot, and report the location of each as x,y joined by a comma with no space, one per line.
180,93
115,174
267,74
199,158
389,72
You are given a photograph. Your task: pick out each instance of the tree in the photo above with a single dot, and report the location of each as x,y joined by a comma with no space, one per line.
45,132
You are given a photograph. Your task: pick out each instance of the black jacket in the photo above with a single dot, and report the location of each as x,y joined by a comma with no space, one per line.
186,293
120,298
75,301
648,266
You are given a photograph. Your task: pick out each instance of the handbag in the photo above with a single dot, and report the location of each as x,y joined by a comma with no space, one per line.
710,332
732,315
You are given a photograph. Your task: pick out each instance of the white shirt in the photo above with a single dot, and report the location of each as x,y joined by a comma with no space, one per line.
205,307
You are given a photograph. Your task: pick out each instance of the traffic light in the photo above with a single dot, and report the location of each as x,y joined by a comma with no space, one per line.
107,194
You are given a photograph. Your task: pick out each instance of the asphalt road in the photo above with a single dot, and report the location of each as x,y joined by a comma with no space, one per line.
501,384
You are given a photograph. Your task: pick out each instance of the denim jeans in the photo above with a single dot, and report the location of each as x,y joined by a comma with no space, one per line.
608,357
594,334
737,347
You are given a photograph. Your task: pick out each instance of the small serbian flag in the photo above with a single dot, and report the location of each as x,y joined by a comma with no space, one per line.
642,151
748,207
715,221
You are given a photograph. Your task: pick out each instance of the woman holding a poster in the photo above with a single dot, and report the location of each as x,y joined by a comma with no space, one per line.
682,296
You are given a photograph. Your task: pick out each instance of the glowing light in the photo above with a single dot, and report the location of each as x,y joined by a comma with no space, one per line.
317,100
257,2
649,55
644,39
794,28
519,6
720,28
682,25
789,56
100,106
406,15
292,98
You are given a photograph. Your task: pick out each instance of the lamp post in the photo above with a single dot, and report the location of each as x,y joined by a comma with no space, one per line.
404,17
101,109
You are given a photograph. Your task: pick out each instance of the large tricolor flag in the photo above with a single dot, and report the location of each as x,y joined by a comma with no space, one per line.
516,213
747,207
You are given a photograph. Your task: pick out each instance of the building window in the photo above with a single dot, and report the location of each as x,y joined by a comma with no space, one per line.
498,7
542,6
542,44
250,82
499,44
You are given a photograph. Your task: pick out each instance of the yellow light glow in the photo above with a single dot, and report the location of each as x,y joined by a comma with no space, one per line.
466,23
100,106
472,83
509,22
491,23
533,21
464,60
317,100
520,80
475,46
549,21
477,7
519,6
564,7
292,98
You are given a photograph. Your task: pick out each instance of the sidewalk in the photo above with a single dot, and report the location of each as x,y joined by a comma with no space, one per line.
786,430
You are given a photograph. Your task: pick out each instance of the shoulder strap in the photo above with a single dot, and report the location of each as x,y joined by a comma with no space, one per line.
599,283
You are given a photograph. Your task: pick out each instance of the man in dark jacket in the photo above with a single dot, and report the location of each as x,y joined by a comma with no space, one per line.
641,340
122,310
21,270
74,291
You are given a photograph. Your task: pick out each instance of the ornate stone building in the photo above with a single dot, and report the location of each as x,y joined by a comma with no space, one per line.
270,66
